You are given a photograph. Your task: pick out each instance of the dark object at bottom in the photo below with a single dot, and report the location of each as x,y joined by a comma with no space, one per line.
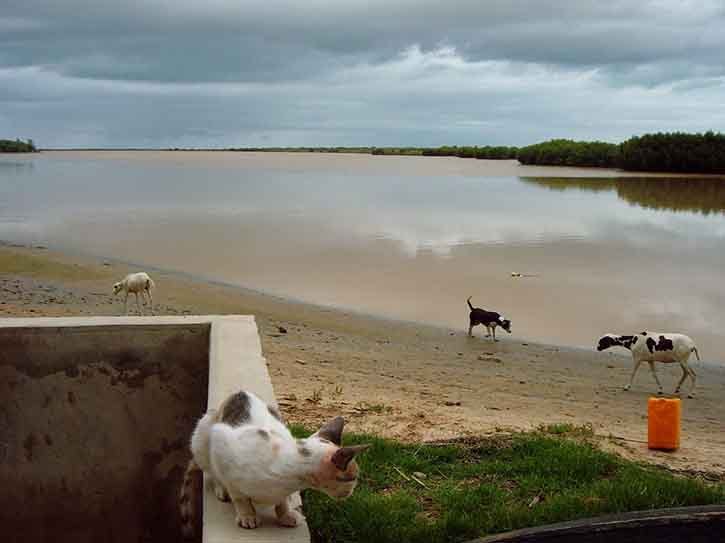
700,524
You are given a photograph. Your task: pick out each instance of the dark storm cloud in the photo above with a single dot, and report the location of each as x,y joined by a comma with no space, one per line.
228,72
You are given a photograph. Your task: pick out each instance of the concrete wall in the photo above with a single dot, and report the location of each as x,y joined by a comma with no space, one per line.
94,426
95,417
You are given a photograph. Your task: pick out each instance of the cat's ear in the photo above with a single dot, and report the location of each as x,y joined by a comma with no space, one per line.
344,455
332,430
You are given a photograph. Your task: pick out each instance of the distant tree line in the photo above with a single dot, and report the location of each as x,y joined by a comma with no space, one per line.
363,150
17,146
561,152
405,151
667,152
674,152
486,152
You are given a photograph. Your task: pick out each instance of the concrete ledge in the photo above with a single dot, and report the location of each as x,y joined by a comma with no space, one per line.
235,362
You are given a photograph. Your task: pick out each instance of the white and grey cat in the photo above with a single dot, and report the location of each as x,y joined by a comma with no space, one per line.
251,458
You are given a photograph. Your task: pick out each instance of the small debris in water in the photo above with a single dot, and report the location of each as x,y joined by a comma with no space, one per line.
452,404
282,329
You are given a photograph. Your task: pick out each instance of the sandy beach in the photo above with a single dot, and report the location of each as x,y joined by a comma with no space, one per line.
399,379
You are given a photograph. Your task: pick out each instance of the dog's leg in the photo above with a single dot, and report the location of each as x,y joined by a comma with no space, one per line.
493,328
151,301
138,305
125,305
488,331
654,374
685,373
693,376
634,372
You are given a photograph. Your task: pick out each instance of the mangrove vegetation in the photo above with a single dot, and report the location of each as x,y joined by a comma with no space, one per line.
663,152
17,146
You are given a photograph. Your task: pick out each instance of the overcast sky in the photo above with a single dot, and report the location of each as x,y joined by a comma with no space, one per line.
218,73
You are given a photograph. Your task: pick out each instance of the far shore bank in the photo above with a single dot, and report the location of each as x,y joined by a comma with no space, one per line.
400,379
434,164
508,168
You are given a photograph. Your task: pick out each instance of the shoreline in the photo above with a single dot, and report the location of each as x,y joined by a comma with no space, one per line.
284,299
383,320
543,170
400,379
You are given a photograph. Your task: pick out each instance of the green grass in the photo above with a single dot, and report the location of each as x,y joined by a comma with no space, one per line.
492,485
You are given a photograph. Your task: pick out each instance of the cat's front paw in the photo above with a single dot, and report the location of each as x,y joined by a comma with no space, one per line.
290,519
221,493
248,521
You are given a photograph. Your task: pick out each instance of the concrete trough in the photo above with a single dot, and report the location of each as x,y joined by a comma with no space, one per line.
95,417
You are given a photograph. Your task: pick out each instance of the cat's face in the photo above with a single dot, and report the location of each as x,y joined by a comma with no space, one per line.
334,481
338,472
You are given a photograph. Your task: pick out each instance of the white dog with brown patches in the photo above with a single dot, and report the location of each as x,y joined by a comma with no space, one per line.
252,458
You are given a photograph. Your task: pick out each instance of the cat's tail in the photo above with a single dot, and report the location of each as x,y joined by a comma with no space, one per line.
469,302
189,509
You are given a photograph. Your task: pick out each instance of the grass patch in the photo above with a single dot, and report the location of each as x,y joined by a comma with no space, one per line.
474,488
567,429
19,263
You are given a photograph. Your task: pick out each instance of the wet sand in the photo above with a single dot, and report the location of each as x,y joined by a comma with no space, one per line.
395,378
406,238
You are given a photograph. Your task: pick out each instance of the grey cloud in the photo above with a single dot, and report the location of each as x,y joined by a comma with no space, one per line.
424,72
230,40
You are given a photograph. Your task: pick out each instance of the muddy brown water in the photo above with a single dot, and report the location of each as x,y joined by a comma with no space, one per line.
94,429
402,237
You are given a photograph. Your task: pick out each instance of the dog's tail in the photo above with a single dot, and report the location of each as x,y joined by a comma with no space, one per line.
189,499
694,350
469,302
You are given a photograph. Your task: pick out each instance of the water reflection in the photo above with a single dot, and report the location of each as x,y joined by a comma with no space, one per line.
16,167
703,196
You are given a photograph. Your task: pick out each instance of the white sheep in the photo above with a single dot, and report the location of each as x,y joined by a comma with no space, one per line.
136,282
654,347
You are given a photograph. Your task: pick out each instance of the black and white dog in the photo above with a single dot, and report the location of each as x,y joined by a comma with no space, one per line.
490,319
